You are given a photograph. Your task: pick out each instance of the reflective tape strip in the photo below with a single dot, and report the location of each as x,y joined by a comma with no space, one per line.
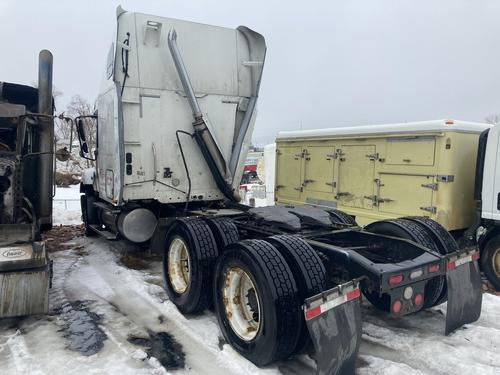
324,307
461,261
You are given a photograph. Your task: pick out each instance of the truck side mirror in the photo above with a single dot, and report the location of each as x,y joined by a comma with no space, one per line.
82,136
80,128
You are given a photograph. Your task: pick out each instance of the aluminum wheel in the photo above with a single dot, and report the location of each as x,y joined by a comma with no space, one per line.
241,301
495,260
179,265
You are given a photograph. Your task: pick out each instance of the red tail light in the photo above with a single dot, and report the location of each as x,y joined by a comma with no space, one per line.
433,268
475,256
396,306
419,298
395,279
353,294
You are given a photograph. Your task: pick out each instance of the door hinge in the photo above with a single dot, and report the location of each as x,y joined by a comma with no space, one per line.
340,154
373,198
373,157
297,156
432,186
431,209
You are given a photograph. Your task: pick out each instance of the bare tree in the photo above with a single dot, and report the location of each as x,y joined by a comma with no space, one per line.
62,129
493,119
79,106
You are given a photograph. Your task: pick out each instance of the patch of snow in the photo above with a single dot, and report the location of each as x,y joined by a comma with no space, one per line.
66,206
132,303
255,193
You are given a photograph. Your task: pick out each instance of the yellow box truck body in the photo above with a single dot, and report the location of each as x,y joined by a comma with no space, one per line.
383,171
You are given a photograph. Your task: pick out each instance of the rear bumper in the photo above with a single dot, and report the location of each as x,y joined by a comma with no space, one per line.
25,275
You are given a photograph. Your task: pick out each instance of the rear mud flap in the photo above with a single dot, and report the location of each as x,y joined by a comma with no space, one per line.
464,290
333,319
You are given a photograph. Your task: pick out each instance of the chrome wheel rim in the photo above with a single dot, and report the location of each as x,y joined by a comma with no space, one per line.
241,303
495,260
179,265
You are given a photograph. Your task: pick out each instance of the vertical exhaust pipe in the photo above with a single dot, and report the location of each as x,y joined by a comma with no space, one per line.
202,135
46,166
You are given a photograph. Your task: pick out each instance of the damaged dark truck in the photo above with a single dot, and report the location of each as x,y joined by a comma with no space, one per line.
26,192
174,121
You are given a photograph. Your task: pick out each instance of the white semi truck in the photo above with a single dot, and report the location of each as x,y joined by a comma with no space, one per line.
486,229
174,120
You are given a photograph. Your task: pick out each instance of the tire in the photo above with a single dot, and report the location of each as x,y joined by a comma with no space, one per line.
490,254
275,296
443,239
340,217
309,272
89,213
224,231
196,237
403,228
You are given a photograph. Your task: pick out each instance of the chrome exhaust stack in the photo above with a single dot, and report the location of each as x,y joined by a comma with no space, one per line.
202,134
45,107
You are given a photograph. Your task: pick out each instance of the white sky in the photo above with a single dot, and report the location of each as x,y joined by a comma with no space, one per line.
329,63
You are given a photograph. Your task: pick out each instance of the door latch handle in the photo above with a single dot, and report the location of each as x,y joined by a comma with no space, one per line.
342,194
431,209
385,200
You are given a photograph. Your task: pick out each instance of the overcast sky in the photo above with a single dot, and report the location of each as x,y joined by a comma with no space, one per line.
329,63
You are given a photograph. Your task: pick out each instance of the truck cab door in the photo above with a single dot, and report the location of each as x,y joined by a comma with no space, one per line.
490,194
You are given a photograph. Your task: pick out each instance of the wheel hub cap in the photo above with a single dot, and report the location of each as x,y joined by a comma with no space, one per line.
241,303
179,265
496,262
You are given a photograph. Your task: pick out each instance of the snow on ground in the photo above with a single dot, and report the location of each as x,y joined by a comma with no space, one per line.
121,303
95,295
66,206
